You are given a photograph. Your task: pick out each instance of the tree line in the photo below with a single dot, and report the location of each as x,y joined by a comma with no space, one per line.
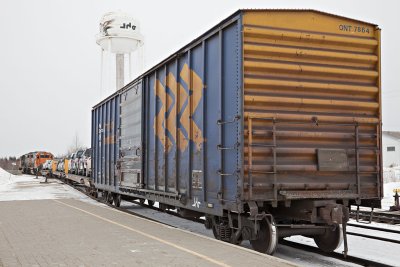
6,163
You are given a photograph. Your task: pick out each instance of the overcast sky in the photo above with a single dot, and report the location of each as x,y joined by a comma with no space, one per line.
50,62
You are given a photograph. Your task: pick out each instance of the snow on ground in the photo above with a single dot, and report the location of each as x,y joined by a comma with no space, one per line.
377,225
384,252
391,180
5,177
388,199
26,187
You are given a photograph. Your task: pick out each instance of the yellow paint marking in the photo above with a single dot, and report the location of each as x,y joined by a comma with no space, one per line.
197,89
196,86
185,121
159,117
183,142
159,91
197,135
109,140
185,74
171,119
204,257
66,161
164,122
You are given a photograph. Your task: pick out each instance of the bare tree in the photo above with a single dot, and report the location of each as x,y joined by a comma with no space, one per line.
7,163
75,146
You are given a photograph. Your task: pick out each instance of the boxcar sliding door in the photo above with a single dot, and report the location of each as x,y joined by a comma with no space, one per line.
130,162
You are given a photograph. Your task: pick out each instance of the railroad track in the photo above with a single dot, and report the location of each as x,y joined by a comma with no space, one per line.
335,255
374,228
377,216
392,231
82,188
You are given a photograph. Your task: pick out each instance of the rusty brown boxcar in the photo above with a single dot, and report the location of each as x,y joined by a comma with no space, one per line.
269,124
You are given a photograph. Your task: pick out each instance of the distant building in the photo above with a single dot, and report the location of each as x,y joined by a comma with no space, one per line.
391,148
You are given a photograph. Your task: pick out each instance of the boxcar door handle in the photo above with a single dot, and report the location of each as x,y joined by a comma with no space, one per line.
220,147
220,122
226,174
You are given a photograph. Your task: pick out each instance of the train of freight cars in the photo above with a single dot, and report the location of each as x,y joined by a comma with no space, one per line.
78,162
269,125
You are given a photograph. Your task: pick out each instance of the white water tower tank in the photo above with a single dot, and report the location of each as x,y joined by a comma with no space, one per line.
120,40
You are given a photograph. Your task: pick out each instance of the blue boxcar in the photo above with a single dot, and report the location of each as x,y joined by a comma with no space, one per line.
268,124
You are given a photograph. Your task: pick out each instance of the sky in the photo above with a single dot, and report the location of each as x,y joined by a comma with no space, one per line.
50,62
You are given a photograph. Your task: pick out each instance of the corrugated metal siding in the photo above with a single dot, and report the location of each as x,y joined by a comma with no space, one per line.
105,143
191,146
308,83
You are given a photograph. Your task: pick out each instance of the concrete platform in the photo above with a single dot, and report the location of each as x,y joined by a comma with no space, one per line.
69,232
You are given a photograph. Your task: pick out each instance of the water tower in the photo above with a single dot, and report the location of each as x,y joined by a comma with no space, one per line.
121,50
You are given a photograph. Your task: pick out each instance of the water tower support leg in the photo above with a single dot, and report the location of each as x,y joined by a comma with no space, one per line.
120,71
130,67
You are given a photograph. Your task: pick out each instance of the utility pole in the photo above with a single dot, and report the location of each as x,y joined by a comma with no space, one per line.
76,141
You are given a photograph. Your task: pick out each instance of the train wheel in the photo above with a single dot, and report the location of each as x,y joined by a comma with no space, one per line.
223,232
215,232
225,235
141,201
117,200
104,196
150,202
219,229
107,197
267,238
110,198
330,240
236,240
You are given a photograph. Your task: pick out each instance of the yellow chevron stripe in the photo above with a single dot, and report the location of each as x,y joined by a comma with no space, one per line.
163,122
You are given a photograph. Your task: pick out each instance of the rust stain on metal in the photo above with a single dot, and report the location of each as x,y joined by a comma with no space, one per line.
310,85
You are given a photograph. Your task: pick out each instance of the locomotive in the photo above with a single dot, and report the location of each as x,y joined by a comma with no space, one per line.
30,163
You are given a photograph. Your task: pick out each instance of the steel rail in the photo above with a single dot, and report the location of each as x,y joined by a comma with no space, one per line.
378,216
374,228
81,188
374,237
